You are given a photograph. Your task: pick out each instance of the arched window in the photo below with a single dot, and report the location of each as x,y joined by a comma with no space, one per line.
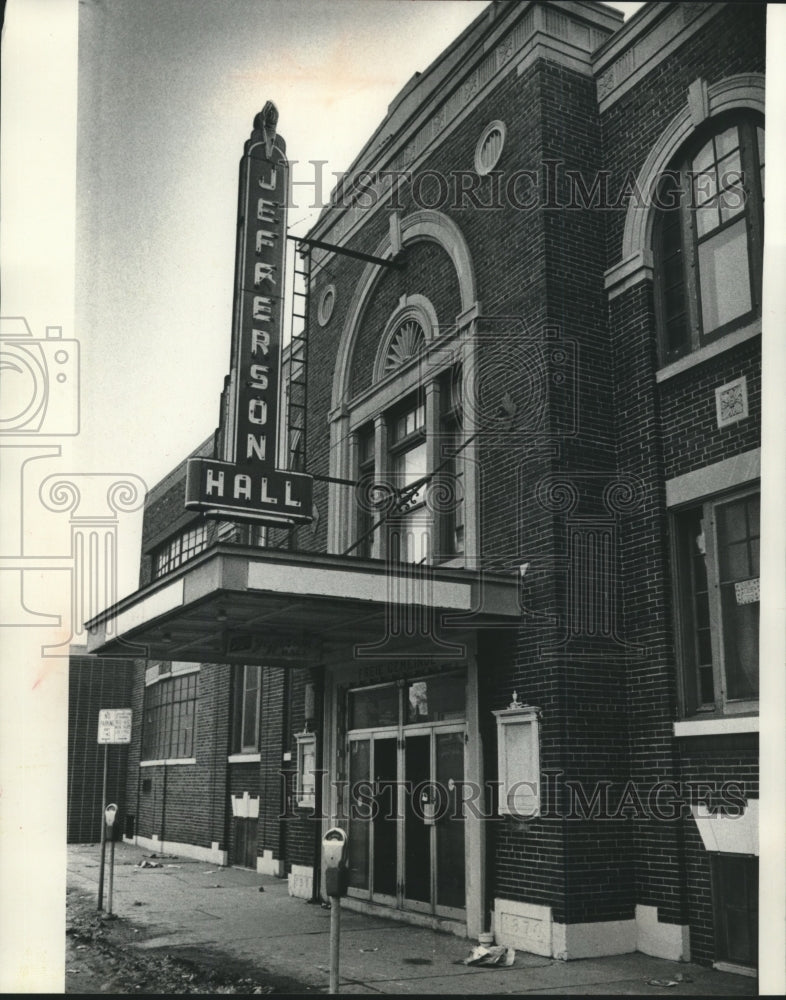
708,236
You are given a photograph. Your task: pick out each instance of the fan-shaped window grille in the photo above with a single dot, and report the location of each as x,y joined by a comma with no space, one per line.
408,340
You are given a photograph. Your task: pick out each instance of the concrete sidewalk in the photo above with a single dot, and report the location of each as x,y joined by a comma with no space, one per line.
193,909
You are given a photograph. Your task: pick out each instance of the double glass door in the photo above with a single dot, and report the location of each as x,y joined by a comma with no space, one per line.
405,811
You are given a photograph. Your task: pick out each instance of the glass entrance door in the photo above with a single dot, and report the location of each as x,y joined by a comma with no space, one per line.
373,815
434,862
406,822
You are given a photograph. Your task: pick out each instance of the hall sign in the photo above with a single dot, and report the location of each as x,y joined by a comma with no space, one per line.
248,482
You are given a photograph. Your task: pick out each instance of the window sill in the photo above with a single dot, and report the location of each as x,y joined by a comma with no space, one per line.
167,761
244,758
717,727
710,351
454,562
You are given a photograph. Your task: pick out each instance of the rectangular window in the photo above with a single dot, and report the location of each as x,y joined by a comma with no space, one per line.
367,516
409,529
247,708
305,787
373,706
449,481
179,550
718,584
170,717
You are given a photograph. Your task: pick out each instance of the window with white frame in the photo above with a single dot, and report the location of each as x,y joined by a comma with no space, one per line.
408,528
717,550
178,550
709,236
247,708
305,778
170,712
419,439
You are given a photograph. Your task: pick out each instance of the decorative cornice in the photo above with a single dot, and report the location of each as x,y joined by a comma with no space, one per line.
514,41
645,42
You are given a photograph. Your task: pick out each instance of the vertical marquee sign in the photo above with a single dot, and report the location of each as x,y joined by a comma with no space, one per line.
247,483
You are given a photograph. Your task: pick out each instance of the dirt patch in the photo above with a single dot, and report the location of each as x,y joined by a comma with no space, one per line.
101,957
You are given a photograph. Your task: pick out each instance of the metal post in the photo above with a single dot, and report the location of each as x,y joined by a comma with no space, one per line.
103,834
335,937
111,871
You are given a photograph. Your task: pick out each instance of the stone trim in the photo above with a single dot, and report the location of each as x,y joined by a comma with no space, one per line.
167,762
212,854
650,39
422,225
717,727
710,351
268,865
670,941
629,273
301,881
593,940
741,91
729,834
715,478
568,36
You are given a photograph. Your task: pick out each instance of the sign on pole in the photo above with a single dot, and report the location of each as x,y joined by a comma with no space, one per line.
114,725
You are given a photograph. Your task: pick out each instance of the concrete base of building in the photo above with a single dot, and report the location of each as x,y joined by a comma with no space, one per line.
445,924
301,881
661,940
529,927
213,854
593,940
268,865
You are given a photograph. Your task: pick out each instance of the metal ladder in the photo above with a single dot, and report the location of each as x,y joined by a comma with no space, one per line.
297,382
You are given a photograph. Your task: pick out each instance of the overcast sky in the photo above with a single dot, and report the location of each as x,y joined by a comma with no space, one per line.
167,92
143,211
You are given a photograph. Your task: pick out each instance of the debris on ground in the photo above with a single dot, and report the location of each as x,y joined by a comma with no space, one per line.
676,981
495,954
100,960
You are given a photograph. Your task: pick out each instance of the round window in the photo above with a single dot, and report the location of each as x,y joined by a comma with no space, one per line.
326,302
489,147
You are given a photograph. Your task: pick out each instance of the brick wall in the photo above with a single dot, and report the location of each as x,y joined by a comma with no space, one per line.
665,430
186,803
94,683
713,760
731,43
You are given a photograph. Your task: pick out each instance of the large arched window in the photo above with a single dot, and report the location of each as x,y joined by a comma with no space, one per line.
408,444
708,236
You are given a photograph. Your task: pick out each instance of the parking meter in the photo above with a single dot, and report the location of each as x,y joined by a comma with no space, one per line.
334,847
110,814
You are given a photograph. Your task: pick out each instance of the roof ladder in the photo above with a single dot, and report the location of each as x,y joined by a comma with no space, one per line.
298,362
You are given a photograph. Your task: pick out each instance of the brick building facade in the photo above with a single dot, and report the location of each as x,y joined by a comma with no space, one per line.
535,414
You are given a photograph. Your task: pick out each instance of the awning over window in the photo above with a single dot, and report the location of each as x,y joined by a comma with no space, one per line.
233,605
